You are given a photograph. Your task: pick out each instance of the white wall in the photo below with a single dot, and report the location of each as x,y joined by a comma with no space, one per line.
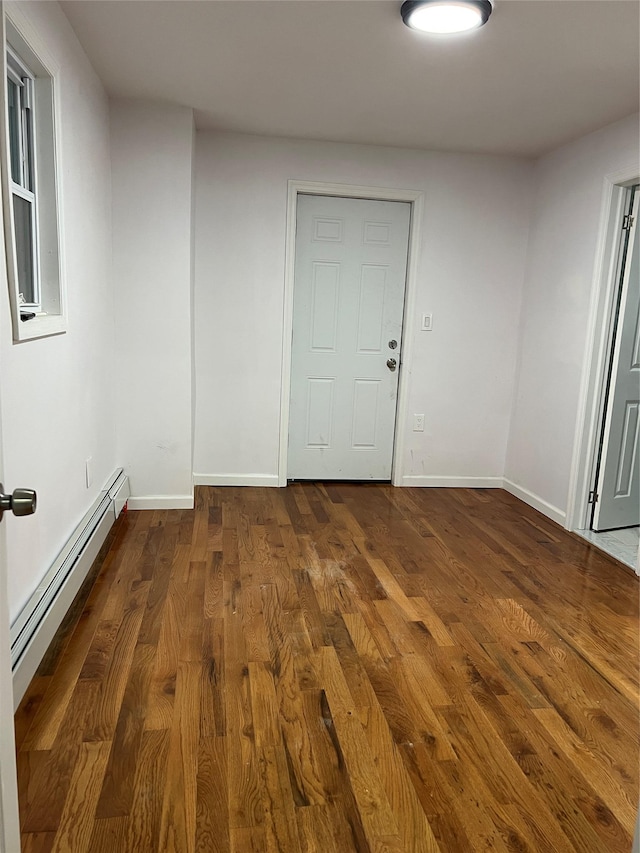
151,149
559,280
57,392
470,276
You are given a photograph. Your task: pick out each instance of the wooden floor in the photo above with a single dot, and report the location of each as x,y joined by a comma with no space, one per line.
339,668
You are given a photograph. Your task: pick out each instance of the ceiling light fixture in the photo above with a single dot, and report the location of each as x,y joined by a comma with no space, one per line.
445,16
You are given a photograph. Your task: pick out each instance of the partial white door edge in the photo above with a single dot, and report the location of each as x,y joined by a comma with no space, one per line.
9,819
416,199
594,363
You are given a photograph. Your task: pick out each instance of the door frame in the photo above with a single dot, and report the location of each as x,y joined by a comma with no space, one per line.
321,188
592,389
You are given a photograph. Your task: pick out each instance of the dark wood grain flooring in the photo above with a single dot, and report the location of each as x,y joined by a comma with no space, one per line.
339,668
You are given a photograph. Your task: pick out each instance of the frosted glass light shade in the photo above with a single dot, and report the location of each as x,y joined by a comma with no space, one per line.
445,16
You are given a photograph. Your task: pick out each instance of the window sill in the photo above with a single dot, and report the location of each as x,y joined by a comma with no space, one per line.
41,326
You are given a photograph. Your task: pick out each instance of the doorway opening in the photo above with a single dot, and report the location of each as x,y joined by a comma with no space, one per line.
608,513
367,389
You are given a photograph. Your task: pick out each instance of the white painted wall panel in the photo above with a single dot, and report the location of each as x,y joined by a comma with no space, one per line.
559,279
152,159
58,392
471,266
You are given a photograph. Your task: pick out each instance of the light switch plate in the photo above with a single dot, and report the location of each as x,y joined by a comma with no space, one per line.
427,323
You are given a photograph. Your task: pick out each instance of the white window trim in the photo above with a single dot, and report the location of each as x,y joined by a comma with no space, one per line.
16,27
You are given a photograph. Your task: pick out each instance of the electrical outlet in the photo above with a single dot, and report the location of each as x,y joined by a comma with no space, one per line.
418,423
427,323
88,471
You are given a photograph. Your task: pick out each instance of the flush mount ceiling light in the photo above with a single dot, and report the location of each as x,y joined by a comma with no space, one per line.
445,16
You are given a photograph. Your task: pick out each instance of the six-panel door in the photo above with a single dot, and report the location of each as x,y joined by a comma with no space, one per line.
351,262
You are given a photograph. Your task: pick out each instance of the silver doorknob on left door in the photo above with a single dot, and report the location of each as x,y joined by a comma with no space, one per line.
392,363
21,502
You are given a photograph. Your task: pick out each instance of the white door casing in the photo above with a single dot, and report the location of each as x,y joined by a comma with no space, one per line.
618,484
350,272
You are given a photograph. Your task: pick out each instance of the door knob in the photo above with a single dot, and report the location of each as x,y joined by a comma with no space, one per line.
21,502
392,363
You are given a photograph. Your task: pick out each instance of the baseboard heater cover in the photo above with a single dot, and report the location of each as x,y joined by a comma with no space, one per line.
40,618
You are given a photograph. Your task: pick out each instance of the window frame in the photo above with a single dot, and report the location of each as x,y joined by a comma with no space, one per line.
22,76
23,51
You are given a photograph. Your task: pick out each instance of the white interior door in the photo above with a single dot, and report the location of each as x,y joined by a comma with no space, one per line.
9,822
350,272
618,486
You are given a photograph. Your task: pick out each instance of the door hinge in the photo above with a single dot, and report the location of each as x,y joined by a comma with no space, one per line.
627,222
593,497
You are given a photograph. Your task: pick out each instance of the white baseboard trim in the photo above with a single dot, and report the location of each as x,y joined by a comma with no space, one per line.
235,479
161,502
536,502
428,481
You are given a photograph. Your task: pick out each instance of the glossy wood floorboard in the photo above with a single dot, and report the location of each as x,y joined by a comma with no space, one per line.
339,668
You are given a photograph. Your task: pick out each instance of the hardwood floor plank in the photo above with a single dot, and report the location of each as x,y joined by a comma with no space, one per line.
143,826
52,784
316,829
212,802
248,839
109,834
52,709
560,776
178,821
596,772
214,590
212,696
163,684
104,715
152,619
305,774
116,796
37,842
375,812
77,819
29,707
100,651
245,782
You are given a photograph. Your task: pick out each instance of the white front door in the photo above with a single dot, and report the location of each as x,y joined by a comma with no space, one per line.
350,272
618,486
9,821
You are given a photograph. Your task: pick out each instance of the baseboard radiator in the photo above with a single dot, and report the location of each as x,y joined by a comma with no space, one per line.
35,627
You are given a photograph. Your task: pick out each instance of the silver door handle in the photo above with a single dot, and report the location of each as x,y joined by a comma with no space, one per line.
21,502
392,363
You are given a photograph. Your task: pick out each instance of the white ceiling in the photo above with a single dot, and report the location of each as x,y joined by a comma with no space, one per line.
539,74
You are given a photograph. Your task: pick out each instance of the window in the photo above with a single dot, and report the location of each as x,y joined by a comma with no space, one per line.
21,157
30,191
